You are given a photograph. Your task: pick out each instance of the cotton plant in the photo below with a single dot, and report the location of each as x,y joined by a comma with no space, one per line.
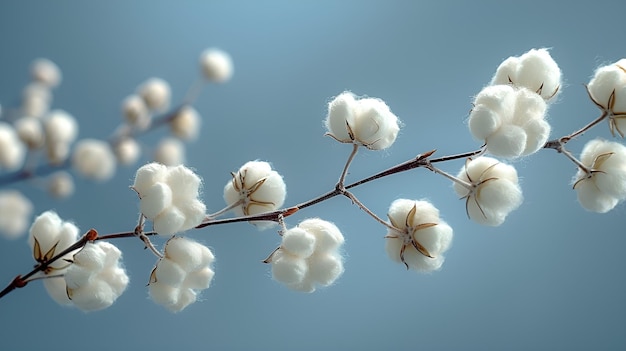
309,256
607,90
185,269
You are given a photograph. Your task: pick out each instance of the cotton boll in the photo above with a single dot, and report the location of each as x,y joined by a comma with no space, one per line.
506,71
537,134
94,159
48,231
148,175
424,212
288,269
156,94
592,199
216,65
164,294
185,298
30,131
155,200
436,239
60,185
93,297
272,193
325,269
46,72
501,195
12,151
15,211
183,182
136,112
200,279
170,152
605,80
298,242
195,213
90,257
375,127
508,141
169,221
498,98
60,127
341,114
127,151
189,254
186,123
80,276
538,72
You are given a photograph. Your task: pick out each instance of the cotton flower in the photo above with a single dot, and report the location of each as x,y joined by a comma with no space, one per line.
94,159
169,197
95,279
254,189
12,151
136,112
15,211
603,185
216,65
309,256
607,89
49,236
170,152
491,190
183,272
186,123
60,184
421,237
535,70
61,130
509,120
46,72
156,93
365,121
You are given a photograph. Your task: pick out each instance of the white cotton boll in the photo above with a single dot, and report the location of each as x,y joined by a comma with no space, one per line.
170,152
94,159
30,131
149,174
288,269
483,122
35,106
116,278
508,141
164,294
186,123
195,213
189,254
136,112
127,151
57,290
325,269
498,98
48,231
60,127
80,276
15,211
327,236
425,212
46,72
200,279
90,257
169,272
271,194
612,178
216,65
298,242
93,297
499,196
37,90
605,80
12,151
156,94
60,184
185,298
169,222
376,127
155,200
341,111
592,199
436,240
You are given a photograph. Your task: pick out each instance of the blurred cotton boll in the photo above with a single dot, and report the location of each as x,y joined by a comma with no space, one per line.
94,159
135,112
15,212
170,152
186,123
60,184
12,150
366,121
216,65
605,186
156,93
46,72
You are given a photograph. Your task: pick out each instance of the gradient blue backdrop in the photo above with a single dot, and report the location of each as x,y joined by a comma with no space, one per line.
551,277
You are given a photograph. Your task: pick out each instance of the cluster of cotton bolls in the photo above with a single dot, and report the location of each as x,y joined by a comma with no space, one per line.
169,197
490,188
184,271
254,189
509,115
420,237
363,121
603,184
308,256
607,90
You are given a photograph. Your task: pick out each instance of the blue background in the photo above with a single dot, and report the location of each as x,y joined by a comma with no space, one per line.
551,277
